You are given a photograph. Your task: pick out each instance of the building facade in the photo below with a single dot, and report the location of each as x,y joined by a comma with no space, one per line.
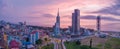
34,36
76,22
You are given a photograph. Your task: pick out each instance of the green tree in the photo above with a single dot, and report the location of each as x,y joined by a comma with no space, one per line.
78,42
46,40
39,42
67,42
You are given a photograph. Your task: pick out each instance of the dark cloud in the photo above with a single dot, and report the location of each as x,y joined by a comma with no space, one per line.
110,19
92,17
88,17
108,26
105,27
48,15
113,9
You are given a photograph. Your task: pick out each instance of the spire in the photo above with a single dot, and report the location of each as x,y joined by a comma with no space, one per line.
58,12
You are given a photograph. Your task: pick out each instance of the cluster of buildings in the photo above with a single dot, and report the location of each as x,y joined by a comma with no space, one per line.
19,36
22,36
75,29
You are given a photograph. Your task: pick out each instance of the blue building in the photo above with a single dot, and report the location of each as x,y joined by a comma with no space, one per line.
34,36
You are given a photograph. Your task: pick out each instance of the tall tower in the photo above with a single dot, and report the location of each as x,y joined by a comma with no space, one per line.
76,22
73,23
57,24
98,24
58,18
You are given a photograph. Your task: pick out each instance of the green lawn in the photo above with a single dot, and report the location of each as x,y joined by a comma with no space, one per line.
113,43
50,46
73,45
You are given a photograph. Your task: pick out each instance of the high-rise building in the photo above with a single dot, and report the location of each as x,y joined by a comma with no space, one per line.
98,24
57,25
76,22
34,36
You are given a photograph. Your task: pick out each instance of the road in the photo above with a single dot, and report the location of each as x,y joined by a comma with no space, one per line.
55,45
59,45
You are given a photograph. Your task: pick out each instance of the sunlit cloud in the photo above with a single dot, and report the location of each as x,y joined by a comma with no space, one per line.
43,12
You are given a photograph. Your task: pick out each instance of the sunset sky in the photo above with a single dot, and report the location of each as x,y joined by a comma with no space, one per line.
43,12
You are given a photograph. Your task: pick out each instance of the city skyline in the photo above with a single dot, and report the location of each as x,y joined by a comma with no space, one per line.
43,12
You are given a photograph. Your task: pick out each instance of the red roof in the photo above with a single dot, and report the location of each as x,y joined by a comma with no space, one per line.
14,44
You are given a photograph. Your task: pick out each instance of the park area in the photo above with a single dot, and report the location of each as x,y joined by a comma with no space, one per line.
97,43
50,46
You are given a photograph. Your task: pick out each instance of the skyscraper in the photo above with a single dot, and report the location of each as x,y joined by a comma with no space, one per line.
57,25
98,24
76,22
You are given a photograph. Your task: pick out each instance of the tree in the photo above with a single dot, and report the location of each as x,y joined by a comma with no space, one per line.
38,42
46,40
78,42
67,42
27,39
